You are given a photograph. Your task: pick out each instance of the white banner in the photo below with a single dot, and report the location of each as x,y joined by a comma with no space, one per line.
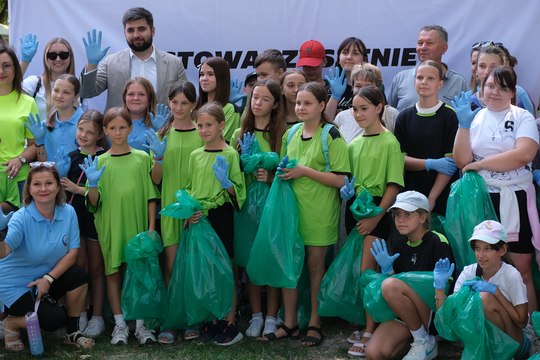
240,29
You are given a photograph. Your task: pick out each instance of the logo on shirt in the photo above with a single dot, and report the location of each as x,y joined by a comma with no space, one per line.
65,241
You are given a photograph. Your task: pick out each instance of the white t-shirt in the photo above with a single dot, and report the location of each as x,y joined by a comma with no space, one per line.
493,133
350,129
507,279
29,85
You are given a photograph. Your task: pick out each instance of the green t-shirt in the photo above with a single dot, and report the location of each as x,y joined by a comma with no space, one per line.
376,161
13,132
232,122
318,204
180,145
290,125
9,190
203,185
125,188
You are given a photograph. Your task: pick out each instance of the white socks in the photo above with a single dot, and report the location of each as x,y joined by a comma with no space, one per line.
119,319
257,316
139,323
423,334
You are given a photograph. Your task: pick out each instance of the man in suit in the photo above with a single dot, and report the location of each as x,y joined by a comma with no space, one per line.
142,58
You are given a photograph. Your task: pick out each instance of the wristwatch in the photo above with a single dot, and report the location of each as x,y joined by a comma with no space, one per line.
23,160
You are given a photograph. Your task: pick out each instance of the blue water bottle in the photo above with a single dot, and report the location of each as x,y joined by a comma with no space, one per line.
34,331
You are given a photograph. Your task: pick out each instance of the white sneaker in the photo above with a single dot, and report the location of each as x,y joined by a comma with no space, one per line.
270,326
120,335
94,328
255,327
422,350
83,323
145,336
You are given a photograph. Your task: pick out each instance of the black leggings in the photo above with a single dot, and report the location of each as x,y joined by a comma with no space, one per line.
51,316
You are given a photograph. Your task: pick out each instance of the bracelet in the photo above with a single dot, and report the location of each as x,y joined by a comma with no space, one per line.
49,278
38,145
437,299
161,158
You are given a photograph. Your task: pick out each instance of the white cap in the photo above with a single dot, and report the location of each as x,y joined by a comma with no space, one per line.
411,201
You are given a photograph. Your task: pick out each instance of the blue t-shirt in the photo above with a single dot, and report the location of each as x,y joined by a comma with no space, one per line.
36,246
136,139
63,135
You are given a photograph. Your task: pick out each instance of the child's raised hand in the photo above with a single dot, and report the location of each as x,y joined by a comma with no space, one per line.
63,162
442,273
245,146
347,191
162,114
462,106
91,171
221,167
380,253
338,83
481,286
37,128
156,146
235,95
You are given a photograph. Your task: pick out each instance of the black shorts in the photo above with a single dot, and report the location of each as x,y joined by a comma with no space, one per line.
381,231
524,245
51,316
222,221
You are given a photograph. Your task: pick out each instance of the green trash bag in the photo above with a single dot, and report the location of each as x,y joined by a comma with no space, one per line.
534,357
246,222
376,305
437,223
277,254
462,318
143,294
208,279
535,317
340,293
468,205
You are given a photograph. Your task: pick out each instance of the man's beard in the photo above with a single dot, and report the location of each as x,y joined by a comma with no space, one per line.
142,47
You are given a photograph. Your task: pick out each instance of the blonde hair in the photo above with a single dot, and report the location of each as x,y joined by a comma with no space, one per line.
46,77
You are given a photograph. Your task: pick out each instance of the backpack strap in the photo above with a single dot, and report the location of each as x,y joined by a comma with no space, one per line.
292,131
324,139
478,270
38,86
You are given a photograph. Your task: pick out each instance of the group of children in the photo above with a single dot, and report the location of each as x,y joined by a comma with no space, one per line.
117,162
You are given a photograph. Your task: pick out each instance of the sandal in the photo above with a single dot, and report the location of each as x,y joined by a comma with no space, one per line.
360,345
191,337
10,345
357,336
169,337
313,339
288,331
79,340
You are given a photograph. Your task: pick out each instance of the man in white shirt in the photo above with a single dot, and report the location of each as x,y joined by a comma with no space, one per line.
142,58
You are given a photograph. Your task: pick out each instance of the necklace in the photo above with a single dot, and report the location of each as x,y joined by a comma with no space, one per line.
506,116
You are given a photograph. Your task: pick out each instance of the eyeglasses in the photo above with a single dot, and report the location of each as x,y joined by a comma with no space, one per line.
406,215
44,163
486,43
505,90
63,55
6,67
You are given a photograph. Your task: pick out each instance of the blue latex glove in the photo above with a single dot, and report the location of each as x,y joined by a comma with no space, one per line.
221,173
91,171
235,95
536,177
4,219
37,128
442,273
94,52
246,144
380,253
283,164
63,162
162,114
462,106
347,191
338,83
29,47
481,286
443,165
156,146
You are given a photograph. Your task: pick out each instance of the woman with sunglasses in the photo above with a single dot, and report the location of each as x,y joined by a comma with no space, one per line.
15,106
499,142
58,60
37,261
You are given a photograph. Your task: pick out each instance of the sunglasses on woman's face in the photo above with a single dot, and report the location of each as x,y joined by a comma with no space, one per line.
63,55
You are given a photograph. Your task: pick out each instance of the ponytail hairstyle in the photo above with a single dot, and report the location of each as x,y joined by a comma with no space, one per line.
51,115
434,64
179,87
321,95
375,96
282,84
276,126
223,82
493,50
96,118
215,110
150,94
46,78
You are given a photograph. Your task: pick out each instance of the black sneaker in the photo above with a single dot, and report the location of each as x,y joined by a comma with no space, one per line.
208,331
229,334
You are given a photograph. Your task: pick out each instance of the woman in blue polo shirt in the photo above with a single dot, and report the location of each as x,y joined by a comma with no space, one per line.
42,243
